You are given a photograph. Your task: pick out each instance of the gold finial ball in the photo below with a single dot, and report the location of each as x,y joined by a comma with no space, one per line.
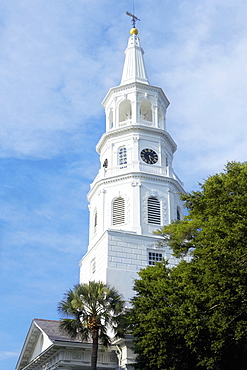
134,31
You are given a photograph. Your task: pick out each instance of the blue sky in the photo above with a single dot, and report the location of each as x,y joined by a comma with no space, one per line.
58,59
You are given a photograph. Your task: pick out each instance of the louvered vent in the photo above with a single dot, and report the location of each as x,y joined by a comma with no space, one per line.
118,213
153,211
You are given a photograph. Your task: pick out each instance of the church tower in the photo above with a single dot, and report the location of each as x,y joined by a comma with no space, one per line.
136,190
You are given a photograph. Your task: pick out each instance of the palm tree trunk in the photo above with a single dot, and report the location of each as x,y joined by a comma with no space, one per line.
95,346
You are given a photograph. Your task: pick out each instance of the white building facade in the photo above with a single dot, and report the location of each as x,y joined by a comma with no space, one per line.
136,190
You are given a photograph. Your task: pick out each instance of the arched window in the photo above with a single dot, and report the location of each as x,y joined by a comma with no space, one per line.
95,221
118,211
125,111
122,157
153,210
178,214
146,111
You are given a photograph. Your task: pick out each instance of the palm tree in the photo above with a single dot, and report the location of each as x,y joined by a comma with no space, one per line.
91,311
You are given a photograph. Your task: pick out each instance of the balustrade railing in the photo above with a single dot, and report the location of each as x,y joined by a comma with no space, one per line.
130,122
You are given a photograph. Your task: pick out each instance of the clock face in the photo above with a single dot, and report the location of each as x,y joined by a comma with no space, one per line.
149,156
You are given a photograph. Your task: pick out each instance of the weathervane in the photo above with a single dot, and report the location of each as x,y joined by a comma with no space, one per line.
134,18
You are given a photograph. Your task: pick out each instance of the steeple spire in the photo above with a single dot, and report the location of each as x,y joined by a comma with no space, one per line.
134,68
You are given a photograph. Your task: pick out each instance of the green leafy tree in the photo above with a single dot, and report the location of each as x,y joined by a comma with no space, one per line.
194,316
91,311
156,321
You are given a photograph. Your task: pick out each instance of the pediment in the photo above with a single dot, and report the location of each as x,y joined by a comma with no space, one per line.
36,342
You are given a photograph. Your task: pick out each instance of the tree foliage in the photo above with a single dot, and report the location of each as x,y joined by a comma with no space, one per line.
194,316
91,311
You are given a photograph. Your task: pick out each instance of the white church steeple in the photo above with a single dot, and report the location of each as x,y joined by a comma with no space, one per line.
136,190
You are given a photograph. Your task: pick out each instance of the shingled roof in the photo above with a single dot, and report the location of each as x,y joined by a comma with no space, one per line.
53,331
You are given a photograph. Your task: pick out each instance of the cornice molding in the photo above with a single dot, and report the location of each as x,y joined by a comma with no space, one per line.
135,86
134,176
135,127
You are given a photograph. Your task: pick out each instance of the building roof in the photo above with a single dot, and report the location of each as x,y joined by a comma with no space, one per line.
52,329
59,350
48,328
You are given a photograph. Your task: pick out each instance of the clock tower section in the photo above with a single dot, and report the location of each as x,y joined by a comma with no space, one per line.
136,190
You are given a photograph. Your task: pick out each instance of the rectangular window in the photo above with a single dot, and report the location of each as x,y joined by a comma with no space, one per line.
154,257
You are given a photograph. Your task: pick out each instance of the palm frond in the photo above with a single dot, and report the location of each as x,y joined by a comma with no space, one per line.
74,329
92,307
